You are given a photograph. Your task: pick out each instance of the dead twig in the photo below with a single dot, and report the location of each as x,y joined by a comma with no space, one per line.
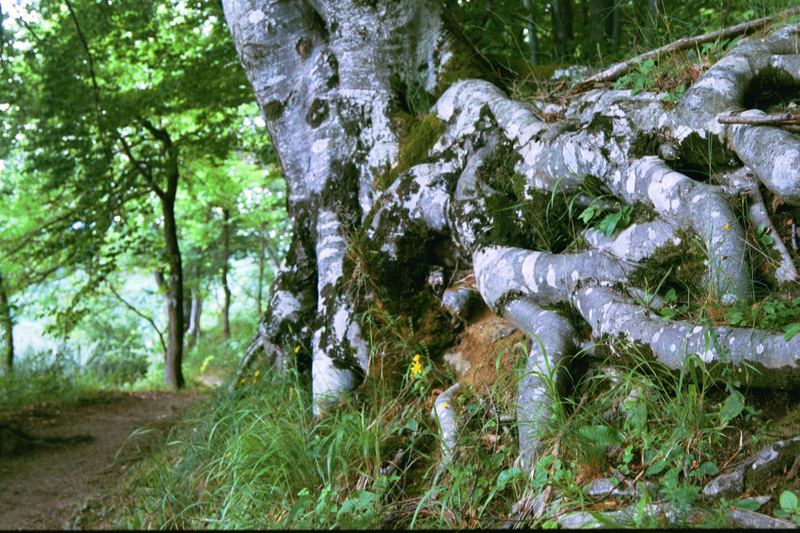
614,72
774,119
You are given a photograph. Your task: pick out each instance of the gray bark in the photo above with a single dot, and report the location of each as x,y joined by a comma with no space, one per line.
195,312
323,74
226,305
8,328
533,40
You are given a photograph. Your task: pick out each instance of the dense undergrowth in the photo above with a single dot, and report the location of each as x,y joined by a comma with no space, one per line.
62,375
256,458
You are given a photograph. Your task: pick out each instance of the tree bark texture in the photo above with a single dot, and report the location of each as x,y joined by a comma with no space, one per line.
533,40
195,312
173,374
226,304
330,75
561,21
8,328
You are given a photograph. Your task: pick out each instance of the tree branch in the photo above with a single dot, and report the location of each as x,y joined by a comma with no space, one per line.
620,69
140,314
85,44
775,119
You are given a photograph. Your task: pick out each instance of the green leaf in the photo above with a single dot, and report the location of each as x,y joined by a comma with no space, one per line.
411,425
506,476
791,330
601,435
589,213
671,296
635,414
788,501
734,317
609,223
709,468
733,407
656,468
749,504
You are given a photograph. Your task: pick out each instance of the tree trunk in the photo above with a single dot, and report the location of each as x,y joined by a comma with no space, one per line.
321,72
173,372
601,25
561,21
195,312
8,328
226,306
533,40
262,248
173,375
652,23
187,312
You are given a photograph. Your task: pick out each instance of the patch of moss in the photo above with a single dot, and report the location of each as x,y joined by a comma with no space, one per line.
643,145
699,157
398,286
273,109
417,135
680,267
464,63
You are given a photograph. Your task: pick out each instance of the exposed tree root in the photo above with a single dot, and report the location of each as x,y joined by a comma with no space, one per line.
329,110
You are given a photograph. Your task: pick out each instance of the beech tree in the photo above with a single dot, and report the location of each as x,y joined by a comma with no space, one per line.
691,177
331,77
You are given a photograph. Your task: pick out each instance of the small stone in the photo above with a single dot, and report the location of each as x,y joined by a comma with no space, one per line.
601,488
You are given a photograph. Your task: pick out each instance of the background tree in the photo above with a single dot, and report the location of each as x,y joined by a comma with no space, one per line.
112,111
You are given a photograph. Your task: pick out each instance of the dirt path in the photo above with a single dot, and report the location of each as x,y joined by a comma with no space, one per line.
44,486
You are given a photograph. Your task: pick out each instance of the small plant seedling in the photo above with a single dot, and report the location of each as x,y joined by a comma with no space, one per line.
790,507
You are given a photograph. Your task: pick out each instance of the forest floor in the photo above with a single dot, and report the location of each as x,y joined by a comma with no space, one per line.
47,483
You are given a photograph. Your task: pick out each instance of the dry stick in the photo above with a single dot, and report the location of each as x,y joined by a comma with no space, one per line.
785,119
620,69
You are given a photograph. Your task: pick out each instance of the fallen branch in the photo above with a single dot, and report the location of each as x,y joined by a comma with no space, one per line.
614,72
779,119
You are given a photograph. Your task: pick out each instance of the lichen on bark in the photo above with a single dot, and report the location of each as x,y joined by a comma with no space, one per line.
488,184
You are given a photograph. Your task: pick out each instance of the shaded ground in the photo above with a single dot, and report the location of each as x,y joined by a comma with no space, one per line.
45,486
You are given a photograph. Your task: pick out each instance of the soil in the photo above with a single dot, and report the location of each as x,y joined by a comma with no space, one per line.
483,341
60,470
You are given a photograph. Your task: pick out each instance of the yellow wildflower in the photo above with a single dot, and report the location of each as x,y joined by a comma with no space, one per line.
297,348
444,405
242,381
416,358
416,369
258,373
727,227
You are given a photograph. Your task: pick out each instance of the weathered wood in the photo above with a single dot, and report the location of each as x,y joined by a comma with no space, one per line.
618,70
